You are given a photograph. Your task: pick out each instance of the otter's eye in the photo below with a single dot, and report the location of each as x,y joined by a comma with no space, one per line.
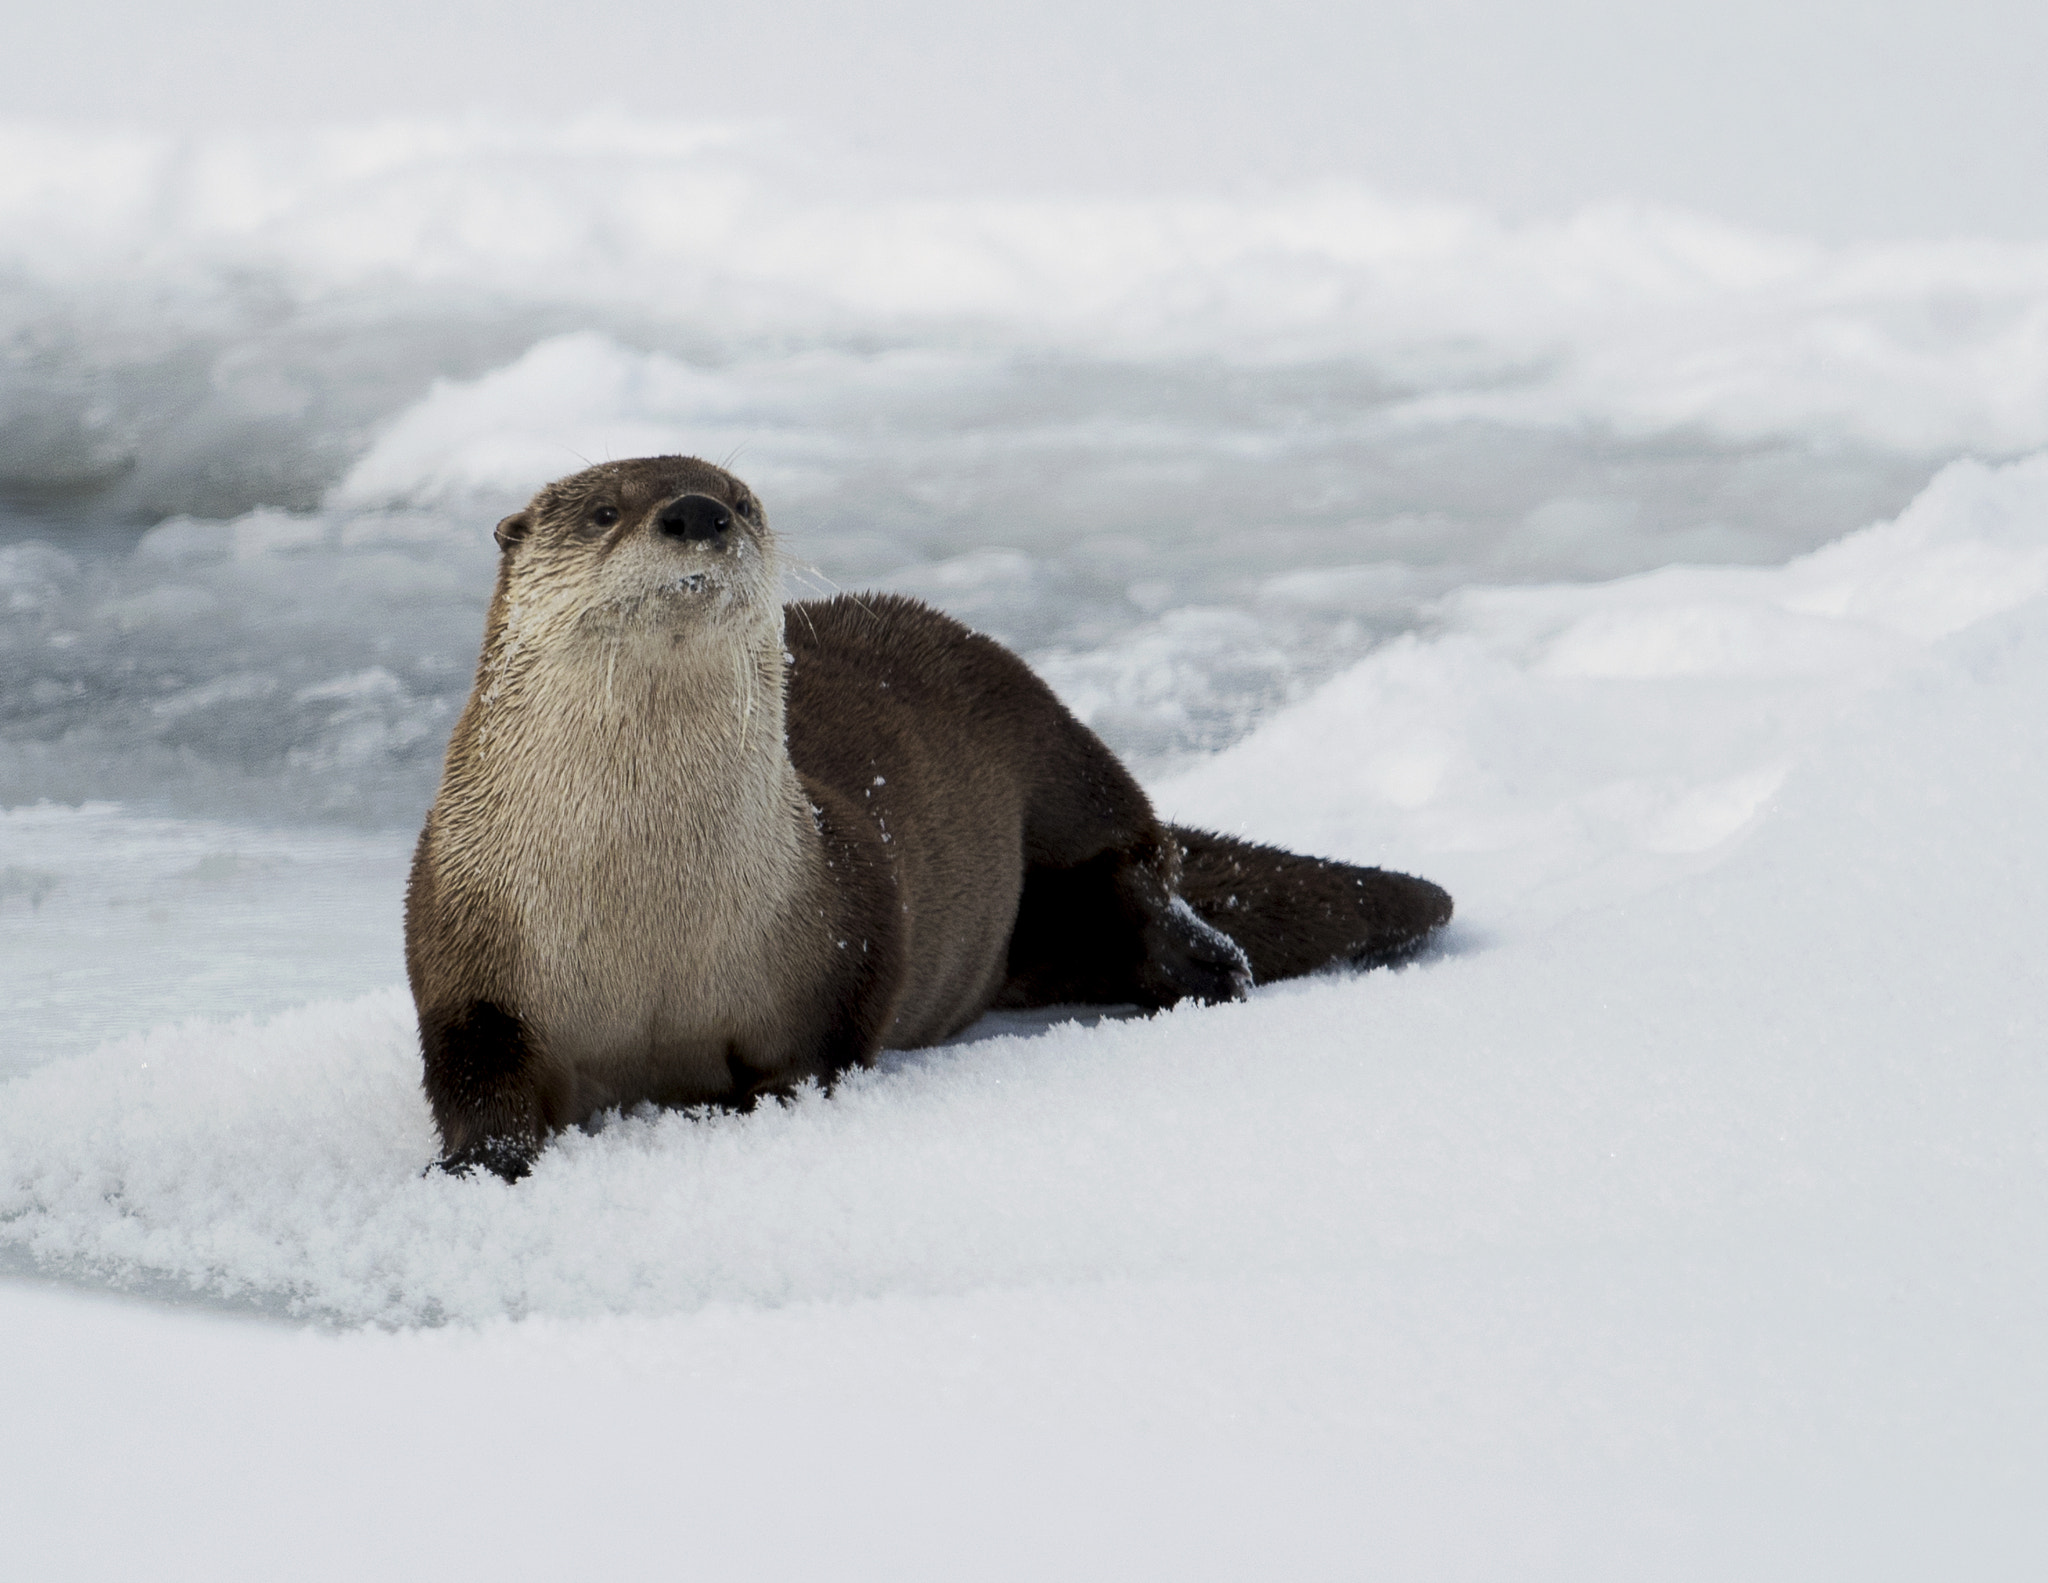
605,516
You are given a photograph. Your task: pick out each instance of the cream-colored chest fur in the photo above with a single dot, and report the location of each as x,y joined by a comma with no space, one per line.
632,815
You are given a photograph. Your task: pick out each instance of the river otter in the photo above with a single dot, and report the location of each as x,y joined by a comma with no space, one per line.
693,847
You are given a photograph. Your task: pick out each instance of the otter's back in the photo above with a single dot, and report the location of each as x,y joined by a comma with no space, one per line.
940,737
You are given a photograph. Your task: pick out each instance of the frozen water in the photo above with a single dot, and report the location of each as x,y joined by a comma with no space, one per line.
1551,745
1192,456
110,922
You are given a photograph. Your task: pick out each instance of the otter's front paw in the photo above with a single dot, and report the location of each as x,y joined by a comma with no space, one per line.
507,1158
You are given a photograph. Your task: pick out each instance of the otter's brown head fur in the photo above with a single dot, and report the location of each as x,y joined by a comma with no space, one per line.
636,628
663,550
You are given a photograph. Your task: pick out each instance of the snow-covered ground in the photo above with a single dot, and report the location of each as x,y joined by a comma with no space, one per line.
1683,1215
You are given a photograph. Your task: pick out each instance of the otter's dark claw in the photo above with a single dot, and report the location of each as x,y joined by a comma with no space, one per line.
506,1158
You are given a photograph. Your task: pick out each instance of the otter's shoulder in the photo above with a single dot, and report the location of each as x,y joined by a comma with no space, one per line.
899,639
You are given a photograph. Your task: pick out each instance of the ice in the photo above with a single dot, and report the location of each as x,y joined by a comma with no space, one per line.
211,324
1635,319
271,665
566,403
1547,745
1175,581
112,922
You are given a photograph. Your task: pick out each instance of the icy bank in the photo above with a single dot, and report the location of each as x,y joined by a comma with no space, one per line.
1558,746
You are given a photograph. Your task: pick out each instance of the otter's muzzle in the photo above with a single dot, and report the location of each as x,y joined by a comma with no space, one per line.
695,519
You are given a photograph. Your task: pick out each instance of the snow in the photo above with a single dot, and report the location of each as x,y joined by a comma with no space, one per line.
1681,1216
1556,745
1676,595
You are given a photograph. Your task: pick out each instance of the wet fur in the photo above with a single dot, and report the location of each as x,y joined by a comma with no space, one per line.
691,846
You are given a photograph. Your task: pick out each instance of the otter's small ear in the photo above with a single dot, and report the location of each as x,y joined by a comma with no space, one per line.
513,529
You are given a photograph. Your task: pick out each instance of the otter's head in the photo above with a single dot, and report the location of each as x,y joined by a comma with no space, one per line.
657,548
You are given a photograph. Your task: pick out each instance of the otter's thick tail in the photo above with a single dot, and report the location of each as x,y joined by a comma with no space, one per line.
1294,914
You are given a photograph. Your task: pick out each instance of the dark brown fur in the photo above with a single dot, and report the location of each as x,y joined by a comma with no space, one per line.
967,844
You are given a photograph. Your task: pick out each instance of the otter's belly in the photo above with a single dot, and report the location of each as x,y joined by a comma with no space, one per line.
628,1047
661,1011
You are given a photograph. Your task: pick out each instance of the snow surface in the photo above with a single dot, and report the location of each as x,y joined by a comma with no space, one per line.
1682,1217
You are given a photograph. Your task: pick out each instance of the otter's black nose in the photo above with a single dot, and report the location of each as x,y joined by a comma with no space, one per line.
695,517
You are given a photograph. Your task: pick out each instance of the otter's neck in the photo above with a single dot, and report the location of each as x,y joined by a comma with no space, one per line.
602,767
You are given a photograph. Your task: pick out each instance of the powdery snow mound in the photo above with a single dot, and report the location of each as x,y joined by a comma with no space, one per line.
1722,1059
574,399
1554,747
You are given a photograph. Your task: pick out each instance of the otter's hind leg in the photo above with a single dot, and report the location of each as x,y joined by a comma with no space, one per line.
1294,914
1111,931
1100,920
